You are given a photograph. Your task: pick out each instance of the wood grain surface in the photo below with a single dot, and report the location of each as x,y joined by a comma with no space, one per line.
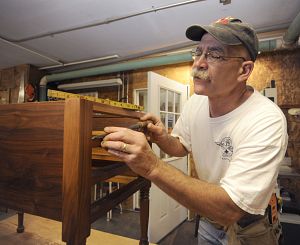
77,164
31,151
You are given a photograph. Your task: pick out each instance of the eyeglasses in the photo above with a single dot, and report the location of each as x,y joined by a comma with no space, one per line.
212,57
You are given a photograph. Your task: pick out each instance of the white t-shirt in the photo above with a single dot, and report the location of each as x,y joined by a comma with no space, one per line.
240,151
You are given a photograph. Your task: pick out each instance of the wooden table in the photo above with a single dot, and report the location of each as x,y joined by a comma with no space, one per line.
48,164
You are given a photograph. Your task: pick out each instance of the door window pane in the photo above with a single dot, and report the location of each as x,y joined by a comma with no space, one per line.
170,101
163,118
163,99
177,102
169,111
170,122
176,117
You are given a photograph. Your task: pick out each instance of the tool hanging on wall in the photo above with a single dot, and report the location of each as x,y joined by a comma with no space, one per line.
54,94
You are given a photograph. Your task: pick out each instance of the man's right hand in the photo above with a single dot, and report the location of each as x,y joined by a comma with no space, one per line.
156,131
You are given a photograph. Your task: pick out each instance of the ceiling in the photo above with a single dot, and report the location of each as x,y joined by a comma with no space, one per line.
55,33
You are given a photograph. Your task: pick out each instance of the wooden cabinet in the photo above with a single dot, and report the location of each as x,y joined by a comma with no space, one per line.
47,167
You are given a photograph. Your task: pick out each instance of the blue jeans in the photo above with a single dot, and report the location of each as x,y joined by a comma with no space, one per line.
209,235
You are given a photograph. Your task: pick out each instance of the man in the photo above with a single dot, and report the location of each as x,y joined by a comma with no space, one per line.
237,136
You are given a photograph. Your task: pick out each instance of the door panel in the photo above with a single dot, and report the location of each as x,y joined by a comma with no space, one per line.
165,99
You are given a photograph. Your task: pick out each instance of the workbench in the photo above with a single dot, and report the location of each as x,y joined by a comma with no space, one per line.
49,164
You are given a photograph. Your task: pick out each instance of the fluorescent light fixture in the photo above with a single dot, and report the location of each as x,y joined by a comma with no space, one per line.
91,84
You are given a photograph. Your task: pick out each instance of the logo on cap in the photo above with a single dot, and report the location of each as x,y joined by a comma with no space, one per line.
227,20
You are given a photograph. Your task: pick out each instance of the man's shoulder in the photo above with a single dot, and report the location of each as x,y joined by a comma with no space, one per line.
262,106
262,113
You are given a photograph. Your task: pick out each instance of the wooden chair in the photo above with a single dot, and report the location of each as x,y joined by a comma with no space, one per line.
119,179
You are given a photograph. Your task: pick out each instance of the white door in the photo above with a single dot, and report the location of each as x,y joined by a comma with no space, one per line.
165,99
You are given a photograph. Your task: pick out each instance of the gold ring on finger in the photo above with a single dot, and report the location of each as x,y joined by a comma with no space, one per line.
124,148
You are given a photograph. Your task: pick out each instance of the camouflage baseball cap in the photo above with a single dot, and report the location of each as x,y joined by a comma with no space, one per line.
229,31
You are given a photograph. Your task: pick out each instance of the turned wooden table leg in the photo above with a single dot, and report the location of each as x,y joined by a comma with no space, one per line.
197,220
144,215
20,227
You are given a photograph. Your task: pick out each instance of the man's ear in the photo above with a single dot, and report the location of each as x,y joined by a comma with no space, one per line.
245,70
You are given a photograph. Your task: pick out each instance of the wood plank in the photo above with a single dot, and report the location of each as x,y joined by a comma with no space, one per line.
31,153
95,132
77,171
100,122
105,204
107,109
121,179
102,154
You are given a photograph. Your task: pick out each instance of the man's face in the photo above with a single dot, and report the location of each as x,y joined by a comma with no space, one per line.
215,77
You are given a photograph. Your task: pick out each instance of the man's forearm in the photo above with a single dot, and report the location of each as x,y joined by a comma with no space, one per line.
172,146
207,199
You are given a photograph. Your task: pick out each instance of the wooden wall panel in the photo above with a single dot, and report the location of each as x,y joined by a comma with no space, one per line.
177,72
4,96
283,67
10,80
293,149
7,79
21,75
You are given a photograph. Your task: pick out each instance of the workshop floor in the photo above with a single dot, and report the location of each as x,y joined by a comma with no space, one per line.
41,231
122,229
183,234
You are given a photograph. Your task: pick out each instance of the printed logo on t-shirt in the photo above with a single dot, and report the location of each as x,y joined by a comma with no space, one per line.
226,147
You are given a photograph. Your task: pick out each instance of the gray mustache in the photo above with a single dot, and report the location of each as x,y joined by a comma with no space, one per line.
202,74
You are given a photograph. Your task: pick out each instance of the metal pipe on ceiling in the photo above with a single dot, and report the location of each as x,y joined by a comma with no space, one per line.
291,37
81,62
58,62
125,66
106,21
30,51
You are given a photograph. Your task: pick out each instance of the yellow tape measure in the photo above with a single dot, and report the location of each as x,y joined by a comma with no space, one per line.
65,95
